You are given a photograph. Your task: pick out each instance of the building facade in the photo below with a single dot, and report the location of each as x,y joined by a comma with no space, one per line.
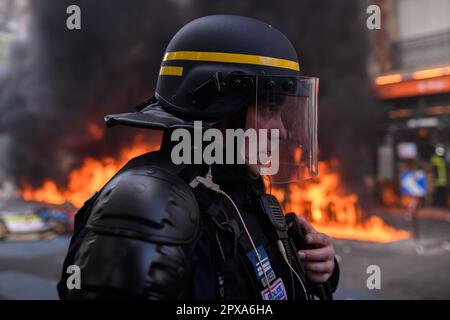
410,66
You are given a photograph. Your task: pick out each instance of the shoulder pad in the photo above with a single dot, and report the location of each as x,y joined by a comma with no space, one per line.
147,203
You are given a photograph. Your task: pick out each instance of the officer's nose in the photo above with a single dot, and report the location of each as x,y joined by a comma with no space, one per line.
277,123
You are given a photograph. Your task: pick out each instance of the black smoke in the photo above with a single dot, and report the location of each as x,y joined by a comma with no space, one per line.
61,81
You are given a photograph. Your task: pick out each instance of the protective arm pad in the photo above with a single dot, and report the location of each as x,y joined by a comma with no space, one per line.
141,232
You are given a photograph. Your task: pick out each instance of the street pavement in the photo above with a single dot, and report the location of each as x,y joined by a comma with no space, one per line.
409,269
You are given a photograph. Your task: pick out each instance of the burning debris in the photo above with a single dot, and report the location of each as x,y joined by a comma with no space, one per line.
323,200
21,220
88,178
333,211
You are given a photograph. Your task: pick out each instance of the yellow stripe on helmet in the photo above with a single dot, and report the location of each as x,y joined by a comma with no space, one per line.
171,71
232,58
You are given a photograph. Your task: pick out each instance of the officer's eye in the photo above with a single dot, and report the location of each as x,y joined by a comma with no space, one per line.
270,110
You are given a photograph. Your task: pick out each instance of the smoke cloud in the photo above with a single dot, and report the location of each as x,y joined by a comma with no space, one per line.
60,83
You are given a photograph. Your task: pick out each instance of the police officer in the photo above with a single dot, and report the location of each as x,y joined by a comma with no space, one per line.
165,230
439,179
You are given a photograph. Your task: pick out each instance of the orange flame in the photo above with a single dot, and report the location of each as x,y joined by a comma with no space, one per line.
321,200
88,178
324,202
95,132
389,196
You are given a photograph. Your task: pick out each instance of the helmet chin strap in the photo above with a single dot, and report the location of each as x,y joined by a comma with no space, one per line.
253,170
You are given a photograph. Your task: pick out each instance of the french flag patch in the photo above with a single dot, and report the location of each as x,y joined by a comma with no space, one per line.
277,291
263,269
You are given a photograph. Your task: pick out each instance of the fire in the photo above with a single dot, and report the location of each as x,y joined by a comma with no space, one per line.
88,178
332,211
95,132
322,200
390,197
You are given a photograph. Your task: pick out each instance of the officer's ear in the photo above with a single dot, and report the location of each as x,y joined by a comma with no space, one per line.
239,120
234,121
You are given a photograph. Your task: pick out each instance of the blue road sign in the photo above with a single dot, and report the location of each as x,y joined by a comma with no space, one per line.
413,183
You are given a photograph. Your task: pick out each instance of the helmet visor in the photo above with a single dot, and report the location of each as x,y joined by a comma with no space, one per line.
285,118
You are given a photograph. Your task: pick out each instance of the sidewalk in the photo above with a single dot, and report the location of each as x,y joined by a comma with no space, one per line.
410,269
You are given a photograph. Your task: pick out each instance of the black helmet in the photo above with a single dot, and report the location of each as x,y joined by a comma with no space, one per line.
209,69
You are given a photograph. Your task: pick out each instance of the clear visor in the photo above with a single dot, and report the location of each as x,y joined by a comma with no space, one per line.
285,118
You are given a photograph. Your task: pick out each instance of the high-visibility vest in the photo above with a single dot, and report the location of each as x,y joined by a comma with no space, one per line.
440,177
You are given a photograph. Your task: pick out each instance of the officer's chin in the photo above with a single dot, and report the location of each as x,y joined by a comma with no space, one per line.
254,170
